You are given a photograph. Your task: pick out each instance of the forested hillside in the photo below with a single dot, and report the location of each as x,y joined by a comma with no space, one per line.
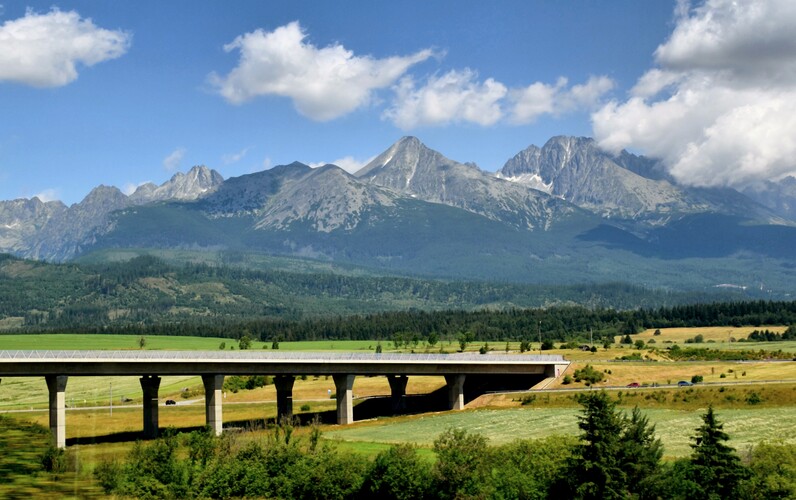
149,296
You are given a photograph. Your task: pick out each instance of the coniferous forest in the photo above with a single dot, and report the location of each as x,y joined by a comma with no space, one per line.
149,296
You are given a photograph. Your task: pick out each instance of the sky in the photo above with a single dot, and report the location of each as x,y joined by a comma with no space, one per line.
123,93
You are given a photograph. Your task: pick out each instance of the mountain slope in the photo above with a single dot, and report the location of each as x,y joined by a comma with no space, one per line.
411,168
621,186
779,196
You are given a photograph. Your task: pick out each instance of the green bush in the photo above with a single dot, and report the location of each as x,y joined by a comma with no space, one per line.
588,374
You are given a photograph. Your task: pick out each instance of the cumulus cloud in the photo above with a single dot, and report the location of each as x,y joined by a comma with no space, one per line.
173,160
44,50
539,99
324,83
347,163
720,105
455,96
458,97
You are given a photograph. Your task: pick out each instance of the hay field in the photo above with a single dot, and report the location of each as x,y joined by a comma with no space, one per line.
715,333
746,427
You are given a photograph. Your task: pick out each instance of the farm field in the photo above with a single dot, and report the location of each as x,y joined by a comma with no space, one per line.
674,427
20,393
70,341
714,333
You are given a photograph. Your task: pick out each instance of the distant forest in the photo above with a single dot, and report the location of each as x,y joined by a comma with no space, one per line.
151,297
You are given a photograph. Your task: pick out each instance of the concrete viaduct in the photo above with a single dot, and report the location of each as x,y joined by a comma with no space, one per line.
212,366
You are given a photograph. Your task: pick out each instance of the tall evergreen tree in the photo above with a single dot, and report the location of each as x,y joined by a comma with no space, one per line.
715,467
595,471
616,457
640,451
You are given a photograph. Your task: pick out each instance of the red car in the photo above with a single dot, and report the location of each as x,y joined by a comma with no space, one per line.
633,385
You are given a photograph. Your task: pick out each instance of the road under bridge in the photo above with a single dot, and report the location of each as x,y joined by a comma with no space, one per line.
464,373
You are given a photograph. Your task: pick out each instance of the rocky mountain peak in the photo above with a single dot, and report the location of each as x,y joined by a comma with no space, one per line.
196,183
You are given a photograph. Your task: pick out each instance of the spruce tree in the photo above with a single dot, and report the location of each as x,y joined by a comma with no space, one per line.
714,465
640,451
595,471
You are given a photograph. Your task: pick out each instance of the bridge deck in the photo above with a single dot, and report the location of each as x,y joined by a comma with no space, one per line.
87,363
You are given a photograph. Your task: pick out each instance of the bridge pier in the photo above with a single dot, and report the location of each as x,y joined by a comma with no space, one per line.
214,384
345,398
397,392
455,391
150,385
56,386
284,397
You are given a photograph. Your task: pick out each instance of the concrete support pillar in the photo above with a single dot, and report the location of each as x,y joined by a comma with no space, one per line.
397,392
284,397
56,385
554,371
150,385
345,398
455,391
214,384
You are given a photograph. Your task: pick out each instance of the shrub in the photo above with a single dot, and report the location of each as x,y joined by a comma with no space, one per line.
697,379
588,374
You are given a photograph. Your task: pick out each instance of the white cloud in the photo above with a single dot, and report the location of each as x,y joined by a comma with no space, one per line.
44,50
130,187
458,97
228,159
347,163
324,83
539,99
455,96
48,195
173,160
720,108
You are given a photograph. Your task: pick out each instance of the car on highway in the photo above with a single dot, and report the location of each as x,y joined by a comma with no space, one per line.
170,402
633,385
684,383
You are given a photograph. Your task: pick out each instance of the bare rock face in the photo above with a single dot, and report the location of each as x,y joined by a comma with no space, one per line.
621,186
78,226
53,231
410,168
199,182
22,220
325,199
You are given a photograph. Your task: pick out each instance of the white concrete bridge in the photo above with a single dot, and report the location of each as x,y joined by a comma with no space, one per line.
458,369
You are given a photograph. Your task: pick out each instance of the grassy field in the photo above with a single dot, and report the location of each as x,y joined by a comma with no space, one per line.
674,427
715,333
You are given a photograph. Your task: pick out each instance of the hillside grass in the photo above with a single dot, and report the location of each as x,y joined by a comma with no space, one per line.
718,334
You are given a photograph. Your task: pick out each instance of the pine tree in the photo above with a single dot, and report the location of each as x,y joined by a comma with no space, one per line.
715,466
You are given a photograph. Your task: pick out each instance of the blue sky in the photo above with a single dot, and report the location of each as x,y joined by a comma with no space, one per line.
120,93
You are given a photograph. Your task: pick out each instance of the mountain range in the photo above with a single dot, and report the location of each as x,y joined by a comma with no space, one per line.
567,212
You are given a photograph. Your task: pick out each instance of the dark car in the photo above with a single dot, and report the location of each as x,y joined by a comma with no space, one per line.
170,402
684,383
633,385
